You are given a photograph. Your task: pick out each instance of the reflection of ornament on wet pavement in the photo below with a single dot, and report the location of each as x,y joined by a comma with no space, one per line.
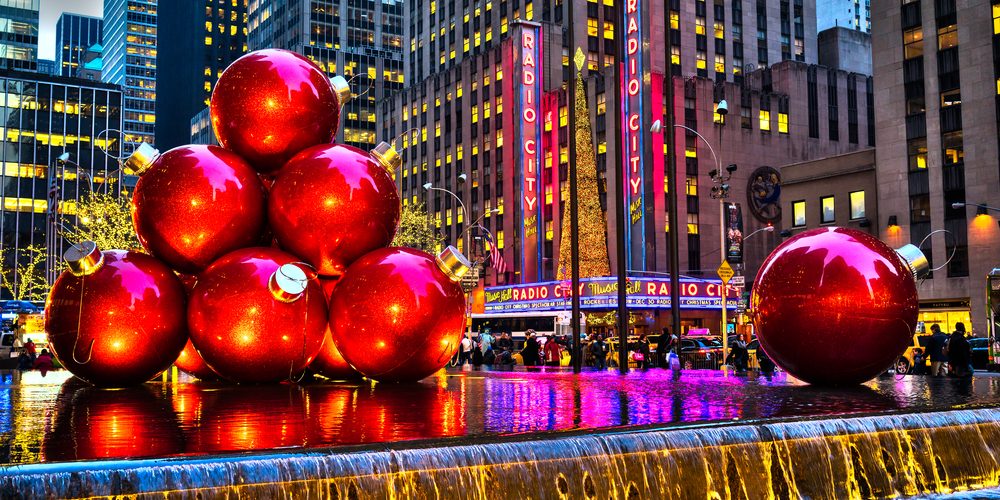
836,305
764,194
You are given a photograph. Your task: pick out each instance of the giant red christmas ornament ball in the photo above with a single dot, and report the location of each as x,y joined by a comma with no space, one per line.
330,363
398,314
334,203
270,104
255,316
194,204
836,305
115,318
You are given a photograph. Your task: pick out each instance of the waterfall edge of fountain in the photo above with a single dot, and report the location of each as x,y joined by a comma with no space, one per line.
872,456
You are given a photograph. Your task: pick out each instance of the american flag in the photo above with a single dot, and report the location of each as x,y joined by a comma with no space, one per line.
496,255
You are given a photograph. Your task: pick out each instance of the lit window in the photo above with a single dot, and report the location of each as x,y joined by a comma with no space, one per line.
765,120
913,43
691,185
947,37
720,63
720,29
675,20
699,25
675,55
798,213
996,19
826,210
692,223
528,11
609,30
500,233
500,138
591,26
857,204
549,232
782,123
499,105
208,40
700,60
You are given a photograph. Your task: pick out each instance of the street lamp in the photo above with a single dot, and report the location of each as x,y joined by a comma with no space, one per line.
769,229
430,187
981,209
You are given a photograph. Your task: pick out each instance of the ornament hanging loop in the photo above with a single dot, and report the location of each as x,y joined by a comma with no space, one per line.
954,247
400,136
90,353
310,275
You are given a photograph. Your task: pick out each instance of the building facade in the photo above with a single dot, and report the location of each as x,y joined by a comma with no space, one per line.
471,121
846,49
130,62
363,41
44,117
46,67
745,35
850,14
937,95
834,191
204,39
19,35
75,33
201,128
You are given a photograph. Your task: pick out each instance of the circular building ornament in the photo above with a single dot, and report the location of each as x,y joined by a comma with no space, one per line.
764,194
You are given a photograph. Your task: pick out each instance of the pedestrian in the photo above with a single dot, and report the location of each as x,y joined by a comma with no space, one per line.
504,344
477,354
642,351
936,350
29,348
959,353
600,351
741,356
764,362
530,353
485,341
43,362
466,352
553,353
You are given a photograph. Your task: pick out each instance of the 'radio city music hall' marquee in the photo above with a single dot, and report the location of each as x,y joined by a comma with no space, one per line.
602,293
633,89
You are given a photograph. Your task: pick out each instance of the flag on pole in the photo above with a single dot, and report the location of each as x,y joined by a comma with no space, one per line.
496,255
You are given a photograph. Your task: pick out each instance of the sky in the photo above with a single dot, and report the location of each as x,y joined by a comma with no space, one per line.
50,11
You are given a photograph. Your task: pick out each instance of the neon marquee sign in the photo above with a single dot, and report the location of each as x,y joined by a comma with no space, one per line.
633,75
602,293
531,155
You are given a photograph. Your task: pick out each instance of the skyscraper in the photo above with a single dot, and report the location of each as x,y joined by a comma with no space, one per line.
937,157
75,33
363,40
46,116
851,14
130,61
204,38
19,34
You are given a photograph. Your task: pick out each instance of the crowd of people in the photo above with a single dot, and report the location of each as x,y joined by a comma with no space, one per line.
949,354
29,358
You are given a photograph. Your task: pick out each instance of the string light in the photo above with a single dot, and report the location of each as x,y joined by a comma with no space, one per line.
594,260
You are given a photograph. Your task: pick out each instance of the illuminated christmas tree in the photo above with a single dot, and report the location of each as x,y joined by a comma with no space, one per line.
593,241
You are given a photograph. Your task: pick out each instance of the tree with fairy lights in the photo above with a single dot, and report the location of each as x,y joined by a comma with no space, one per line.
416,229
104,218
593,240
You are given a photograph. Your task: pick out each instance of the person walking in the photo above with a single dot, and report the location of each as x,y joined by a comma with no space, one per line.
530,352
29,348
600,351
643,351
466,352
552,352
959,353
935,350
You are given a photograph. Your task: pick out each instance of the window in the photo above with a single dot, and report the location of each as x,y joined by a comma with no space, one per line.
826,215
857,205
947,37
913,43
692,223
782,123
765,121
996,19
798,213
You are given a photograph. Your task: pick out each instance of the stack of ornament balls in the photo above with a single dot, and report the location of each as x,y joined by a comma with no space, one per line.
266,256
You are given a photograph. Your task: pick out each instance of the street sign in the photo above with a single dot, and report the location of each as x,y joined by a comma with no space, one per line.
725,272
738,280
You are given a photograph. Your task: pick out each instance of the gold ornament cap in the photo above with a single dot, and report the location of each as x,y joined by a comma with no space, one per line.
141,159
387,156
341,88
453,263
288,283
915,260
84,258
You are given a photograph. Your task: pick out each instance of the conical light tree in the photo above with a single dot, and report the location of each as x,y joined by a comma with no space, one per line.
593,241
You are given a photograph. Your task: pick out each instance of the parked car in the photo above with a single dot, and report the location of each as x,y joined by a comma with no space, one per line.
980,352
701,353
904,364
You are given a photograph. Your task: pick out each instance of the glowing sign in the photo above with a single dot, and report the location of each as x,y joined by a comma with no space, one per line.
530,128
633,68
602,293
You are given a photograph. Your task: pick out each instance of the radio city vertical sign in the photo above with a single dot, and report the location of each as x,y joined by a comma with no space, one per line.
528,53
633,90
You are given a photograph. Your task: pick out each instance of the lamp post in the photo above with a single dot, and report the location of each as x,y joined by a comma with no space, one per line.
981,209
720,191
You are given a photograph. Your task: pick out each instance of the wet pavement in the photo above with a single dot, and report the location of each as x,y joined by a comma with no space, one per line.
57,418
